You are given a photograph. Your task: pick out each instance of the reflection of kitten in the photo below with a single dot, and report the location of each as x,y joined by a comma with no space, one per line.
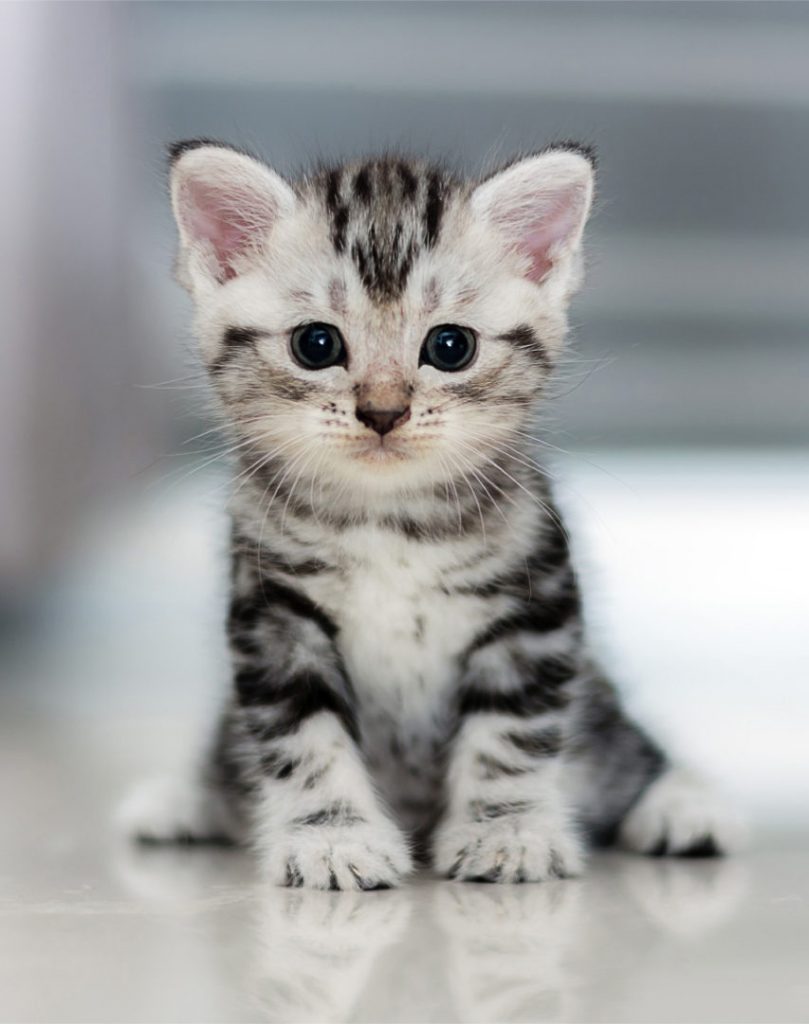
319,952
405,624
511,951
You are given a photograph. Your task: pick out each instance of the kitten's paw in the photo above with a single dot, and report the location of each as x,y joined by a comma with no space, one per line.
356,855
176,811
679,815
512,848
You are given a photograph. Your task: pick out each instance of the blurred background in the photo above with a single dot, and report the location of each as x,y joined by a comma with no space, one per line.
682,413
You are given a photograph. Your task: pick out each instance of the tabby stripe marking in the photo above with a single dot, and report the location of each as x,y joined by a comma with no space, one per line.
543,743
334,814
235,340
525,338
544,692
303,695
537,617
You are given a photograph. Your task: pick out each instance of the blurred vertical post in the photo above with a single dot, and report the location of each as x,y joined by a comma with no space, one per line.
61,288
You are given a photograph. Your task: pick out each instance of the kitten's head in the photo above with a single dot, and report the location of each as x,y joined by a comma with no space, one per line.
381,327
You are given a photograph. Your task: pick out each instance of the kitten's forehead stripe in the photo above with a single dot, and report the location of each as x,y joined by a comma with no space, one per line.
432,295
337,295
433,209
384,213
333,189
410,182
337,210
362,185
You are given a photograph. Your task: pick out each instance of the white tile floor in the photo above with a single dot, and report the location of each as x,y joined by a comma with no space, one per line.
700,599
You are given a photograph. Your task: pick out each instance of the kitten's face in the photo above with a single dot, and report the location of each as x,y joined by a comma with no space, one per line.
381,329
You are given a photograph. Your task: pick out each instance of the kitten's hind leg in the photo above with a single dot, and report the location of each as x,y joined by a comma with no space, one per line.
177,810
679,815
196,807
628,792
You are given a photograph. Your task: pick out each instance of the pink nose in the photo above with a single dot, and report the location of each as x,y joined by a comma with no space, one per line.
382,420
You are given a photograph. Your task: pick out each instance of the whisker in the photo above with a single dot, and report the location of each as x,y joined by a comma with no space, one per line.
249,472
537,500
292,488
485,483
449,482
182,477
474,498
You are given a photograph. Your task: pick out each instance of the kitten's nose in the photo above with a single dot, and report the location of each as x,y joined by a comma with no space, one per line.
382,420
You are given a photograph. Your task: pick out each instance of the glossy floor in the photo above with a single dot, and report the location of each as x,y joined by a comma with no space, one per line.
188,935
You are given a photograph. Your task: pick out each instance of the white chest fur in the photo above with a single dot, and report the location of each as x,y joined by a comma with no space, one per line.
400,632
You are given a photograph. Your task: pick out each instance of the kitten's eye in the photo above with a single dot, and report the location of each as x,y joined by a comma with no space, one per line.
448,348
317,346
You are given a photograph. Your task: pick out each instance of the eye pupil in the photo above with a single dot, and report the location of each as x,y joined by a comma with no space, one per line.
317,346
450,344
449,348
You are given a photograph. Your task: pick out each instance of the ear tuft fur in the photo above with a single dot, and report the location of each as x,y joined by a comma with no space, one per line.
585,149
179,148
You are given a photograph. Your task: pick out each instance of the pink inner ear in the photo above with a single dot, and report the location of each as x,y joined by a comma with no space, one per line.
226,222
542,237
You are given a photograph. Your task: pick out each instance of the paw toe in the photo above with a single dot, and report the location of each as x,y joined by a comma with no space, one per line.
338,859
505,853
707,846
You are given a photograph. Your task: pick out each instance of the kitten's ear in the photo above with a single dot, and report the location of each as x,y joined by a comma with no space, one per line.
225,204
539,206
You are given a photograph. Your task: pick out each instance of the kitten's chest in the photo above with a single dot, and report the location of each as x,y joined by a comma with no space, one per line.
401,629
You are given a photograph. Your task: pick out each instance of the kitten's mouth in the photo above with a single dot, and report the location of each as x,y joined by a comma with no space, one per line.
384,450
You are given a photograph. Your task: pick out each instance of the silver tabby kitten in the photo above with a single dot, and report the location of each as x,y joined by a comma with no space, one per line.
410,672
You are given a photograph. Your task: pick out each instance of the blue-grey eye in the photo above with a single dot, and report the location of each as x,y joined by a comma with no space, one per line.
317,346
448,348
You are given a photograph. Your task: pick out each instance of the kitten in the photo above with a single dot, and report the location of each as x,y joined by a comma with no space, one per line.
411,676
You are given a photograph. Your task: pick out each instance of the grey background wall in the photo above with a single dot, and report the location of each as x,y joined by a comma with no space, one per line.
692,330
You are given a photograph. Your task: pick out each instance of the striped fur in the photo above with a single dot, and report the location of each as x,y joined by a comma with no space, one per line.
411,676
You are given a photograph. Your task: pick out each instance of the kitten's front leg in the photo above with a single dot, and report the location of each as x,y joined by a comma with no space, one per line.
316,819
318,822
506,818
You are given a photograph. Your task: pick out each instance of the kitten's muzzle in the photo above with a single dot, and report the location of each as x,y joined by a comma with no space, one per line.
382,420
